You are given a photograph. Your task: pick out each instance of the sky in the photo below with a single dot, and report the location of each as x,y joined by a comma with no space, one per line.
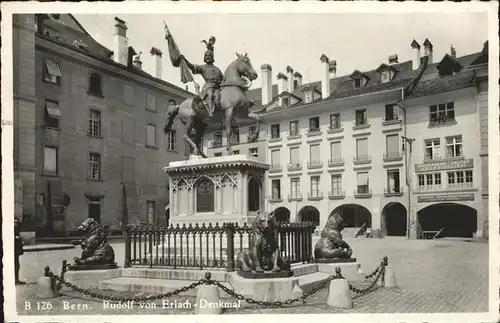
355,40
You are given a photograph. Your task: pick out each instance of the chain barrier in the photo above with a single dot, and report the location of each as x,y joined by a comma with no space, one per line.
379,272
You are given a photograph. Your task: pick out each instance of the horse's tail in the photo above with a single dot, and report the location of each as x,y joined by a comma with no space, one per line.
171,114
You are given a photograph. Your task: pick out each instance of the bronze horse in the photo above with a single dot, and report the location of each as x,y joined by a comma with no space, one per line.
234,102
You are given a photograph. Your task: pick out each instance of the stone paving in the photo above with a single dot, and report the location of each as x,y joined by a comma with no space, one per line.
433,276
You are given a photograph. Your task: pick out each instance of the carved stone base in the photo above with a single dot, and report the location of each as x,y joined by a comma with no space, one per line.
93,267
89,279
334,260
264,275
266,289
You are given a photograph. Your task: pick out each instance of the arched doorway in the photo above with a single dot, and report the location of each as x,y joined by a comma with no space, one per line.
394,219
309,214
455,220
354,215
282,214
254,187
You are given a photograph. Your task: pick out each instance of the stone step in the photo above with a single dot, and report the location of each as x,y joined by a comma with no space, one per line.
151,285
311,281
174,274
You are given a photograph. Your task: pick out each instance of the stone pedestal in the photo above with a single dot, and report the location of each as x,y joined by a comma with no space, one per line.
349,269
266,289
216,189
90,278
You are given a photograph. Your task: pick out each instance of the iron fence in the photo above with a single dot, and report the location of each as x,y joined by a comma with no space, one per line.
208,246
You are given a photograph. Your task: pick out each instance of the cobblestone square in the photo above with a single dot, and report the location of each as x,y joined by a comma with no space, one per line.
433,276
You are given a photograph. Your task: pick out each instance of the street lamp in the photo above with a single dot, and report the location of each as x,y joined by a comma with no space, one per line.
407,155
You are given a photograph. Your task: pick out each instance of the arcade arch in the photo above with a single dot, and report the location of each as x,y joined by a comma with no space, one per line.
394,219
309,214
354,215
282,214
456,220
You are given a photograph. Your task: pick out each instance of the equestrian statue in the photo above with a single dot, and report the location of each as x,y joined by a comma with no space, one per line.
225,92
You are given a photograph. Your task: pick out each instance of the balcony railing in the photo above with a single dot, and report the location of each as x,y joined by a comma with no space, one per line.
275,137
314,196
336,195
275,168
314,164
391,119
313,132
393,191
361,159
360,124
335,162
293,134
335,128
394,156
445,187
295,197
429,159
362,193
295,166
461,186
275,199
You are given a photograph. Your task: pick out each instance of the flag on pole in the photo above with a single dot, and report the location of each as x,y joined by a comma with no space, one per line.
175,57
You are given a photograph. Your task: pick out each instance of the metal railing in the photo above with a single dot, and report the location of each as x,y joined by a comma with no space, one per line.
295,166
314,195
336,194
315,164
208,246
337,161
361,158
396,190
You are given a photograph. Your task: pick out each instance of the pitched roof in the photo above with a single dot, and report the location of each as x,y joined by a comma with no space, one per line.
81,41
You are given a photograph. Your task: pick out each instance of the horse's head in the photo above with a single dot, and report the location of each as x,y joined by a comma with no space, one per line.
244,67
88,225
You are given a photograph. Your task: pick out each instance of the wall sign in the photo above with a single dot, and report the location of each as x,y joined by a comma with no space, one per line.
446,198
444,165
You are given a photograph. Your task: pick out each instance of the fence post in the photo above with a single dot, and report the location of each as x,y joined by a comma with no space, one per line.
230,246
128,241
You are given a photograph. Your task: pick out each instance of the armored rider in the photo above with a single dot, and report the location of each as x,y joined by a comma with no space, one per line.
212,75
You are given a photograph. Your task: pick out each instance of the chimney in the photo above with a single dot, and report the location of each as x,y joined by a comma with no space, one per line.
325,81
267,83
332,69
120,42
393,59
197,88
289,75
137,61
453,52
297,79
428,50
282,83
156,53
416,54
130,56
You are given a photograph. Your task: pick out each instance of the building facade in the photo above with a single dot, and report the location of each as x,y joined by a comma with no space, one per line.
367,145
89,122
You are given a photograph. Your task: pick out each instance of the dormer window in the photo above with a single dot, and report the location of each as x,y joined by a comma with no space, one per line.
285,102
359,79
386,76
